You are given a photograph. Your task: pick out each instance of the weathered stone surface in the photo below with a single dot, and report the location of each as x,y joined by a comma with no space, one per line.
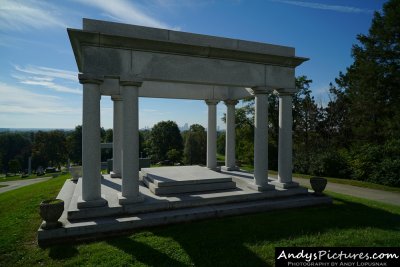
183,175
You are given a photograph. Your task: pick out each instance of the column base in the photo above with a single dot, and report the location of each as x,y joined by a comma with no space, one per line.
225,168
216,169
285,185
129,200
83,204
115,175
75,179
261,188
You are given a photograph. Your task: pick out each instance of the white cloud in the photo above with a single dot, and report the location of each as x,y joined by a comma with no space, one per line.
49,78
27,14
337,8
16,100
49,72
126,12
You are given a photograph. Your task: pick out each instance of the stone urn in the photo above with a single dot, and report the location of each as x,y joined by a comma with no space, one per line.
76,172
318,184
50,211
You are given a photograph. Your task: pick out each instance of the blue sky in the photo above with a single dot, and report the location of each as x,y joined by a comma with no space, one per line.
38,73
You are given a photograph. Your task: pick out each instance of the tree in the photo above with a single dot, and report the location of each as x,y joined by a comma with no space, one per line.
74,145
174,155
363,117
49,149
165,136
14,146
372,82
107,137
305,124
195,151
144,143
14,166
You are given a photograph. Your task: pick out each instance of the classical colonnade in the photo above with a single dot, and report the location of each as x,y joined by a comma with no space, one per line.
130,61
126,140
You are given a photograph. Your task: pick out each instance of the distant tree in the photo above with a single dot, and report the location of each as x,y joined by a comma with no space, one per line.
107,153
108,136
14,166
164,137
174,155
221,143
49,149
144,143
305,124
14,146
74,145
195,151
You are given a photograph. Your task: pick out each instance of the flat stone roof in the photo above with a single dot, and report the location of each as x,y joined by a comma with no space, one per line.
135,31
124,36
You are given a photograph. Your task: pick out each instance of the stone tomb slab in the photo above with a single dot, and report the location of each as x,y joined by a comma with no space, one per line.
185,179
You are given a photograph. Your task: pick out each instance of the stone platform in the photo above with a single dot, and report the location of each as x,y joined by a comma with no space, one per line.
184,179
92,223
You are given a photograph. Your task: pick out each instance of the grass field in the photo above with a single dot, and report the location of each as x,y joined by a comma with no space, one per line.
4,178
235,241
335,180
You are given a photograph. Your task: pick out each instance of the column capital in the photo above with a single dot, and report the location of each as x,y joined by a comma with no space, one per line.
211,101
287,91
116,98
261,90
90,78
131,83
132,80
232,102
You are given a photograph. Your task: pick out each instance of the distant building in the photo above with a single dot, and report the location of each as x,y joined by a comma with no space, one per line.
184,127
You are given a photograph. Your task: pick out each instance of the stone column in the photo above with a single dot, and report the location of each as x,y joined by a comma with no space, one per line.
230,158
212,134
285,141
130,144
117,136
261,140
91,176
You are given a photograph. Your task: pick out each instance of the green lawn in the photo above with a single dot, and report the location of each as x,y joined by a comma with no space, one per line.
2,185
3,178
235,241
250,168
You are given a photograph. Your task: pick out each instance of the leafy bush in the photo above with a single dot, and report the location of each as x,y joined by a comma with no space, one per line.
377,163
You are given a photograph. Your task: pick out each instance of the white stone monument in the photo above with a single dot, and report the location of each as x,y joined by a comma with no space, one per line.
127,62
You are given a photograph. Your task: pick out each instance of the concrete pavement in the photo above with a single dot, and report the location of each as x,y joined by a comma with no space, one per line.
367,193
11,185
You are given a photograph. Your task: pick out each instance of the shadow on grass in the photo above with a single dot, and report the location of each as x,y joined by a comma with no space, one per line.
63,252
225,242
144,253
231,241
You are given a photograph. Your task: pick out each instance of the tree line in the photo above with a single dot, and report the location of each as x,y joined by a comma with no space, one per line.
46,148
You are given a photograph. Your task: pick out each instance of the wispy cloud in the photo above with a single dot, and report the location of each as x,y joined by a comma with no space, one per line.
22,15
50,78
16,100
126,12
49,72
337,8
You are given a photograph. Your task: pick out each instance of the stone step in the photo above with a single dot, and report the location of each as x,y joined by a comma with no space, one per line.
106,226
187,188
